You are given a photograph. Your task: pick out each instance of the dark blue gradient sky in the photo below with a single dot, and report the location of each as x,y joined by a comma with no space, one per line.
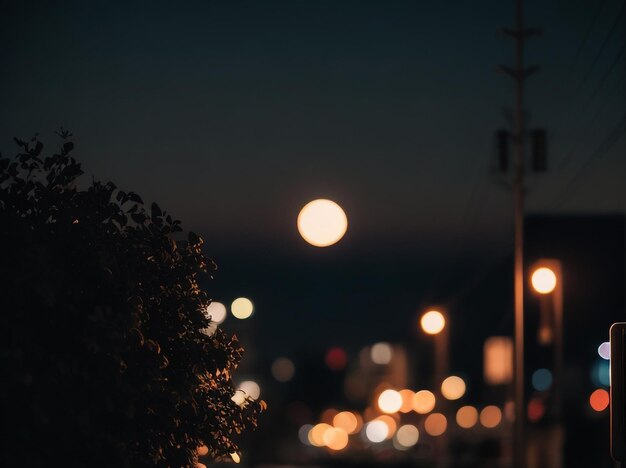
234,114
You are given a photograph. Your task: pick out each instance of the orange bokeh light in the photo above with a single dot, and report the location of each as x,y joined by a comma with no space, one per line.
435,424
490,416
467,417
316,435
335,438
346,421
407,400
599,400
423,402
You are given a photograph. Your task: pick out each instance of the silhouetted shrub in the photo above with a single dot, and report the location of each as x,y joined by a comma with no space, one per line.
107,358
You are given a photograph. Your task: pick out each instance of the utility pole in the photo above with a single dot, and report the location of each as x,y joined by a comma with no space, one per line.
519,74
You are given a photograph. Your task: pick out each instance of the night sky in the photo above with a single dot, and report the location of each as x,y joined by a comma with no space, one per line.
232,115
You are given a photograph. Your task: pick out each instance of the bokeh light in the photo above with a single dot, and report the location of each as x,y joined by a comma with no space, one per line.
604,350
601,373
390,401
239,397
509,411
216,312
543,280
316,434
453,387
433,322
381,353
542,380
435,424
376,431
467,417
283,369
407,436
336,358
242,308
424,402
250,388
322,223
536,409
335,438
390,423
407,400
490,416
202,451
346,421
498,360
303,433
599,400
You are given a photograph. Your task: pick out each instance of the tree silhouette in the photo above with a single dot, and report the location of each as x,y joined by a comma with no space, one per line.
108,357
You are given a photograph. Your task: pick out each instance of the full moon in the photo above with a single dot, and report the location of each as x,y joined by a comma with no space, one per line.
322,223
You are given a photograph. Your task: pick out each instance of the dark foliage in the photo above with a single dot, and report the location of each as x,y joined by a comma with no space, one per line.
106,355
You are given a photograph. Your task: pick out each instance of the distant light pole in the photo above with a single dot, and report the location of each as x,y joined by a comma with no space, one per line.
433,322
547,281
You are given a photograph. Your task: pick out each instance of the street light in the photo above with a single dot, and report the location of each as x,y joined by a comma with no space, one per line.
543,280
433,322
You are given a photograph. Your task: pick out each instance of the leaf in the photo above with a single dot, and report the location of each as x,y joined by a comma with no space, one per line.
156,211
193,238
132,196
68,146
139,218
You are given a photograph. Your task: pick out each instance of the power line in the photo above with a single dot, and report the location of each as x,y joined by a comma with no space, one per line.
618,20
605,76
581,135
557,84
601,151
597,56
594,18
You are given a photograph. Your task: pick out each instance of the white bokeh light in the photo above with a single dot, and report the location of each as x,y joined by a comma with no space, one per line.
390,401
216,312
376,431
242,308
250,388
381,353
322,223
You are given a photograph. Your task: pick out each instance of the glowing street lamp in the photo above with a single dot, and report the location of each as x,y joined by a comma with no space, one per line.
543,280
433,322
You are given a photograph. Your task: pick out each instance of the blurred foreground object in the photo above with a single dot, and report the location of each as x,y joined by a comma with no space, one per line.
106,357
618,374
